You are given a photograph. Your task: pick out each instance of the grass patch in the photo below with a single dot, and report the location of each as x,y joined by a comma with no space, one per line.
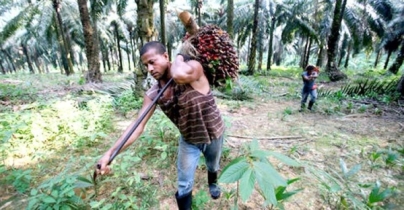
49,145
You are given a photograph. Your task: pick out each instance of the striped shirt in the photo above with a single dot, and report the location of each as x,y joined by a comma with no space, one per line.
195,114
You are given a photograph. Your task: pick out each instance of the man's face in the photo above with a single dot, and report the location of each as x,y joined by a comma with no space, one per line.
156,64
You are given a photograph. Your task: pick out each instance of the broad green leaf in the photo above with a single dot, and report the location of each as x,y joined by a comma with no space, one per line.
286,195
55,193
34,192
247,182
335,188
290,181
386,194
267,189
358,204
269,173
48,199
163,155
260,154
353,170
80,184
279,191
234,171
65,207
96,204
84,179
375,196
285,159
32,203
254,145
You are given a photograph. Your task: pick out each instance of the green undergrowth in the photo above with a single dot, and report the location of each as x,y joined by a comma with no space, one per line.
49,146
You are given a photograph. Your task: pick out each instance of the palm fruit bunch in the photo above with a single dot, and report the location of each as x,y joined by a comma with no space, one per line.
216,53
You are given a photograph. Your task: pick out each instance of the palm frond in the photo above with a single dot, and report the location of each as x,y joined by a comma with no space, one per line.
364,87
24,17
383,7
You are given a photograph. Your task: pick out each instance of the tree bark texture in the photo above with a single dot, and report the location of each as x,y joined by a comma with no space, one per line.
399,60
271,40
145,31
230,17
118,44
64,50
9,59
128,56
333,72
28,59
400,86
253,46
92,49
162,22
348,55
377,58
386,63
3,71
132,48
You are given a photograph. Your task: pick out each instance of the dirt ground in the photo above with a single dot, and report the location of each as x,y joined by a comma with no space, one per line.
316,138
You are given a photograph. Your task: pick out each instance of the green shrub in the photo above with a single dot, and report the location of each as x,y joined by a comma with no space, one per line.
127,101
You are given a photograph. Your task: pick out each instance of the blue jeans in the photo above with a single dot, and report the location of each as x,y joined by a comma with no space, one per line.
188,159
306,93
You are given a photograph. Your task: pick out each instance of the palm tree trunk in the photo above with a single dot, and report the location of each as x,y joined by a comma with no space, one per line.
321,56
333,72
162,22
132,48
253,46
308,53
400,86
128,56
198,11
118,43
377,58
260,55
386,63
3,71
271,39
10,60
92,49
145,30
230,17
399,60
25,51
107,58
68,65
169,49
38,63
69,45
348,55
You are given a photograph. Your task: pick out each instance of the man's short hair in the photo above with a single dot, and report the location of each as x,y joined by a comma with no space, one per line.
310,68
160,48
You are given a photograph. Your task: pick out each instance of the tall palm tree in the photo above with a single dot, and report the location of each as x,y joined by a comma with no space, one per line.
331,69
162,22
41,18
253,46
68,64
230,17
145,30
92,49
397,30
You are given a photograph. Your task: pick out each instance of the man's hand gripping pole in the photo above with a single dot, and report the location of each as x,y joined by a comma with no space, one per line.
127,136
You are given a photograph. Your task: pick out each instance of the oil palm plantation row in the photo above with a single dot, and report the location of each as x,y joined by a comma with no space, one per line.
69,33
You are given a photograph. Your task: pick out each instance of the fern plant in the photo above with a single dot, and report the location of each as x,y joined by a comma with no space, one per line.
366,87
254,167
